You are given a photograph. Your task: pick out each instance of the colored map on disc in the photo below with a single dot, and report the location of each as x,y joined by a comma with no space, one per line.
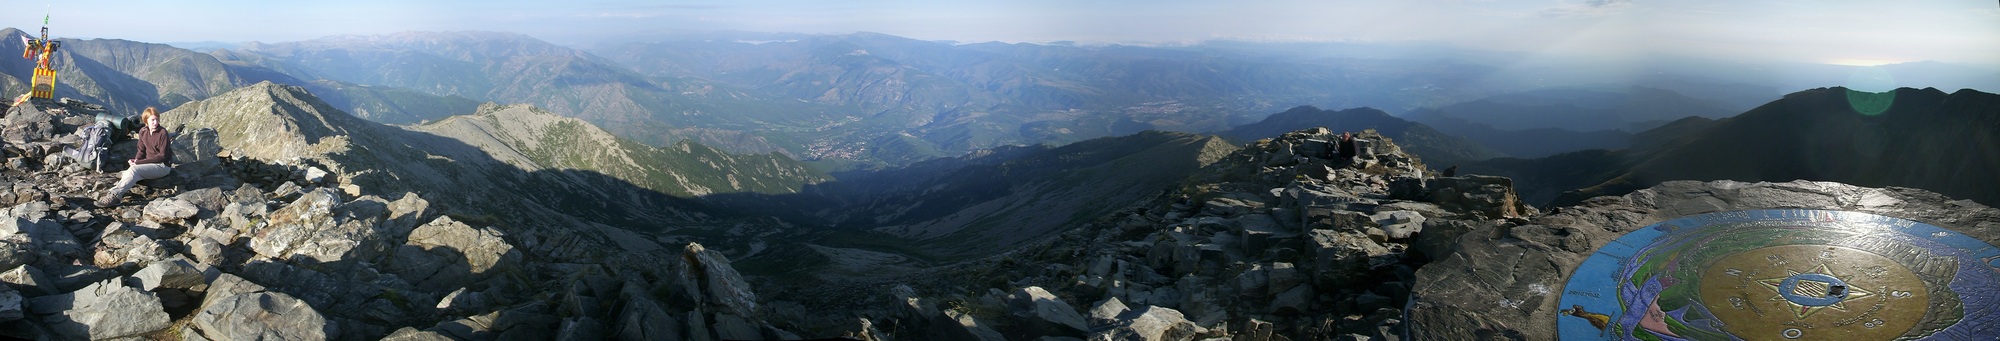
1791,274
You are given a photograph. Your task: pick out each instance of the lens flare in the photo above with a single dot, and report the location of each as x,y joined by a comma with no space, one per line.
1871,90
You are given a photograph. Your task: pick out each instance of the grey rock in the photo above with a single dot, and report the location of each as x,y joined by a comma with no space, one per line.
29,280
26,123
316,175
462,300
14,252
730,327
1399,225
207,201
103,310
32,210
581,328
1150,323
1491,196
1297,300
263,316
725,287
319,228
1344,258
10,304
206,250
195,146
72,277
1045,313
128,254
446,254
48,237
955,325
1282,277
1257,330
412,334
1107,312
644,319
226,285
172,274
1252,282
406,214
170,210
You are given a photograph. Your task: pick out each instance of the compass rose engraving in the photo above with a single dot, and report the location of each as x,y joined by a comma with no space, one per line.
1810,292
1787,275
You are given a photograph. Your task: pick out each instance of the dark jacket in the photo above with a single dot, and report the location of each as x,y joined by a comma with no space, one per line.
153,147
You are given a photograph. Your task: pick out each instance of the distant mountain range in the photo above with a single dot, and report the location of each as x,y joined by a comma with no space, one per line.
1920,138
516,162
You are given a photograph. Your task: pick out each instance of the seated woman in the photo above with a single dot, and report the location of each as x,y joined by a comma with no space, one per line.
150,162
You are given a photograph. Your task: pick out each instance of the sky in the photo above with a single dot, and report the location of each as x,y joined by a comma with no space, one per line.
1866,32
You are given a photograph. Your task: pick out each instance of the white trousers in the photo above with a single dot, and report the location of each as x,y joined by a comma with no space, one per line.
131,176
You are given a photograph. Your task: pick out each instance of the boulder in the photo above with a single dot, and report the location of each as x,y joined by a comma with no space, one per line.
955,325
48,238
644,319
15,252
1106,313
318,228
1282,276
10,304
1341,259
446,254
1491,196
412,334
1045,313
170,210
207,201
26,123
103,310
29,280
73,277
263,316
1297,300
170,274
206,250
32,210
725,287
225,285
1257,330
581,328
1150,323
462,301
1399,225
731,327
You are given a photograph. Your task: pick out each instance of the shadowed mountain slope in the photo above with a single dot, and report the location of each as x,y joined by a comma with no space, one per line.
1919,138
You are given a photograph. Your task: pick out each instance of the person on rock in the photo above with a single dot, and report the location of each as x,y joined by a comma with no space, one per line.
150,162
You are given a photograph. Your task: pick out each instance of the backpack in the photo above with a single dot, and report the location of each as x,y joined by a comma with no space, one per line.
96,139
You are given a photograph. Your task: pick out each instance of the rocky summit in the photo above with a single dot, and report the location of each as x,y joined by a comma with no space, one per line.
233,248
1287,239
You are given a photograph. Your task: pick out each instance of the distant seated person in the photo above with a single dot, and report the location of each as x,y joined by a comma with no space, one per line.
150,162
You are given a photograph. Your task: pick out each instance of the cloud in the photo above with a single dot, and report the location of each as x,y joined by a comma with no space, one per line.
1587,8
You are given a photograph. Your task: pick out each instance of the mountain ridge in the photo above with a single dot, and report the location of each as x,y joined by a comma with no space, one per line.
1920,138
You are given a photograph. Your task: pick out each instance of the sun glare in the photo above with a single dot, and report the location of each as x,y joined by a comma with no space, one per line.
1862,61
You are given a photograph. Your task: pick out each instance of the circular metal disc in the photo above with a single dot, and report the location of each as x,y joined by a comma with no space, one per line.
1789,274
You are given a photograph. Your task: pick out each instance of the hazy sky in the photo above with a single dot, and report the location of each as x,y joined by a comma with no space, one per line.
1831,31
